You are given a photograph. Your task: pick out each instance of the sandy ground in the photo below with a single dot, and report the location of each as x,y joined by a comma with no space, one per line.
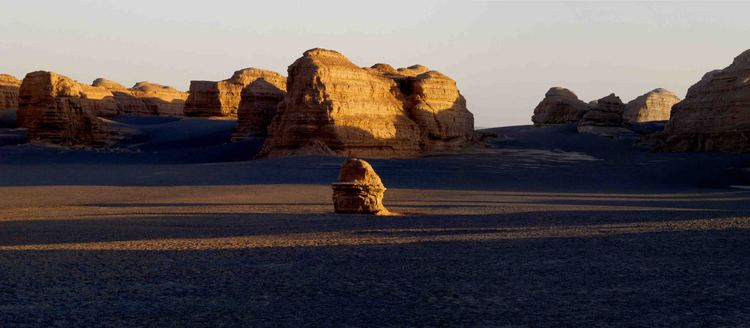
544,228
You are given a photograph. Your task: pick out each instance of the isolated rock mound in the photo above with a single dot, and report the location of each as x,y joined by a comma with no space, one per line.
59,110
358,189
604,118
372,112
207,98
656,105
145,98
715,115
559,106
257,109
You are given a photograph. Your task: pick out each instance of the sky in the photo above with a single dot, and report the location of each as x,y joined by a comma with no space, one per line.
503,55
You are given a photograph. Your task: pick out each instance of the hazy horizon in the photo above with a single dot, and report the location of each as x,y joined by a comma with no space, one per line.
504,56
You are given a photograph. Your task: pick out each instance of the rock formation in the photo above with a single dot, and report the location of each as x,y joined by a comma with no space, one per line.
604,118
145,98
9,86
715,115
358,189
59,110
559,106
207,98
655,105
334,106
257,108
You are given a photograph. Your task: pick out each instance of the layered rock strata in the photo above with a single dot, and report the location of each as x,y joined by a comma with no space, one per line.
715,114
604,118
9,87
222,98
358,189
559,106
257,108
56,109
145,98
334,106
655,105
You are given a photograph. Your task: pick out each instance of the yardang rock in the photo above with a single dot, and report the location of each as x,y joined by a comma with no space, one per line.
559,106
358,189
656,105
207,98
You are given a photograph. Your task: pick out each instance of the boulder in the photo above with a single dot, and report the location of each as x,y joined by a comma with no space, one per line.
715,114
9,86
358,189
337,107
257,108
559,106
605,118
56,109
207,98
656,105
145,98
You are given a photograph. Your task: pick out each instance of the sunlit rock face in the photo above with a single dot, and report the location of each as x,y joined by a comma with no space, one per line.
9,87
358,189
715,114
145,98
335,107
56,109
559,106
222,98
604,118
257,108
655,105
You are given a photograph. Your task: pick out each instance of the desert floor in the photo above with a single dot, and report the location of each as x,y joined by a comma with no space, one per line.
543,227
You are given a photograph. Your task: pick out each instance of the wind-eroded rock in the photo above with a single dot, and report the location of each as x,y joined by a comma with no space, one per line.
604,118
59,110
358,189
145,98
9,86
207,98
559,106
656,105
337,107
715,114
257,108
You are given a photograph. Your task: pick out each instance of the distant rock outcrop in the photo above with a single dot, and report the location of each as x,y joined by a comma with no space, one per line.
604,118
715,115
145,98
9,87
207,98
334,106
559,106
59,110
257,108
656,105
358,189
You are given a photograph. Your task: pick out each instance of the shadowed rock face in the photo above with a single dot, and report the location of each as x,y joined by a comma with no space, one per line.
358,189
559,106
9,87
59,110
604,118
207,98
656,105
257,108
715,115
334,106
145,98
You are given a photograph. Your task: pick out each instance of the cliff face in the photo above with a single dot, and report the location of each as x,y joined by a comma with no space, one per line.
222,98
59,110
715,114
257,108
559,106
334,106
655,105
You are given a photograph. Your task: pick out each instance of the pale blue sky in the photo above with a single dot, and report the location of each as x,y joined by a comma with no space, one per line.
503,55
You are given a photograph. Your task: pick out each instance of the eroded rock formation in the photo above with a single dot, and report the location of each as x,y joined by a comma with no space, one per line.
715,114
9,87
59,110
257,109
604,118
559,106
656,105
208,98
145,98
358,189
334,106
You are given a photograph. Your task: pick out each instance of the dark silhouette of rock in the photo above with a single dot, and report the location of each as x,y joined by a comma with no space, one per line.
559,106
358,189
715,114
